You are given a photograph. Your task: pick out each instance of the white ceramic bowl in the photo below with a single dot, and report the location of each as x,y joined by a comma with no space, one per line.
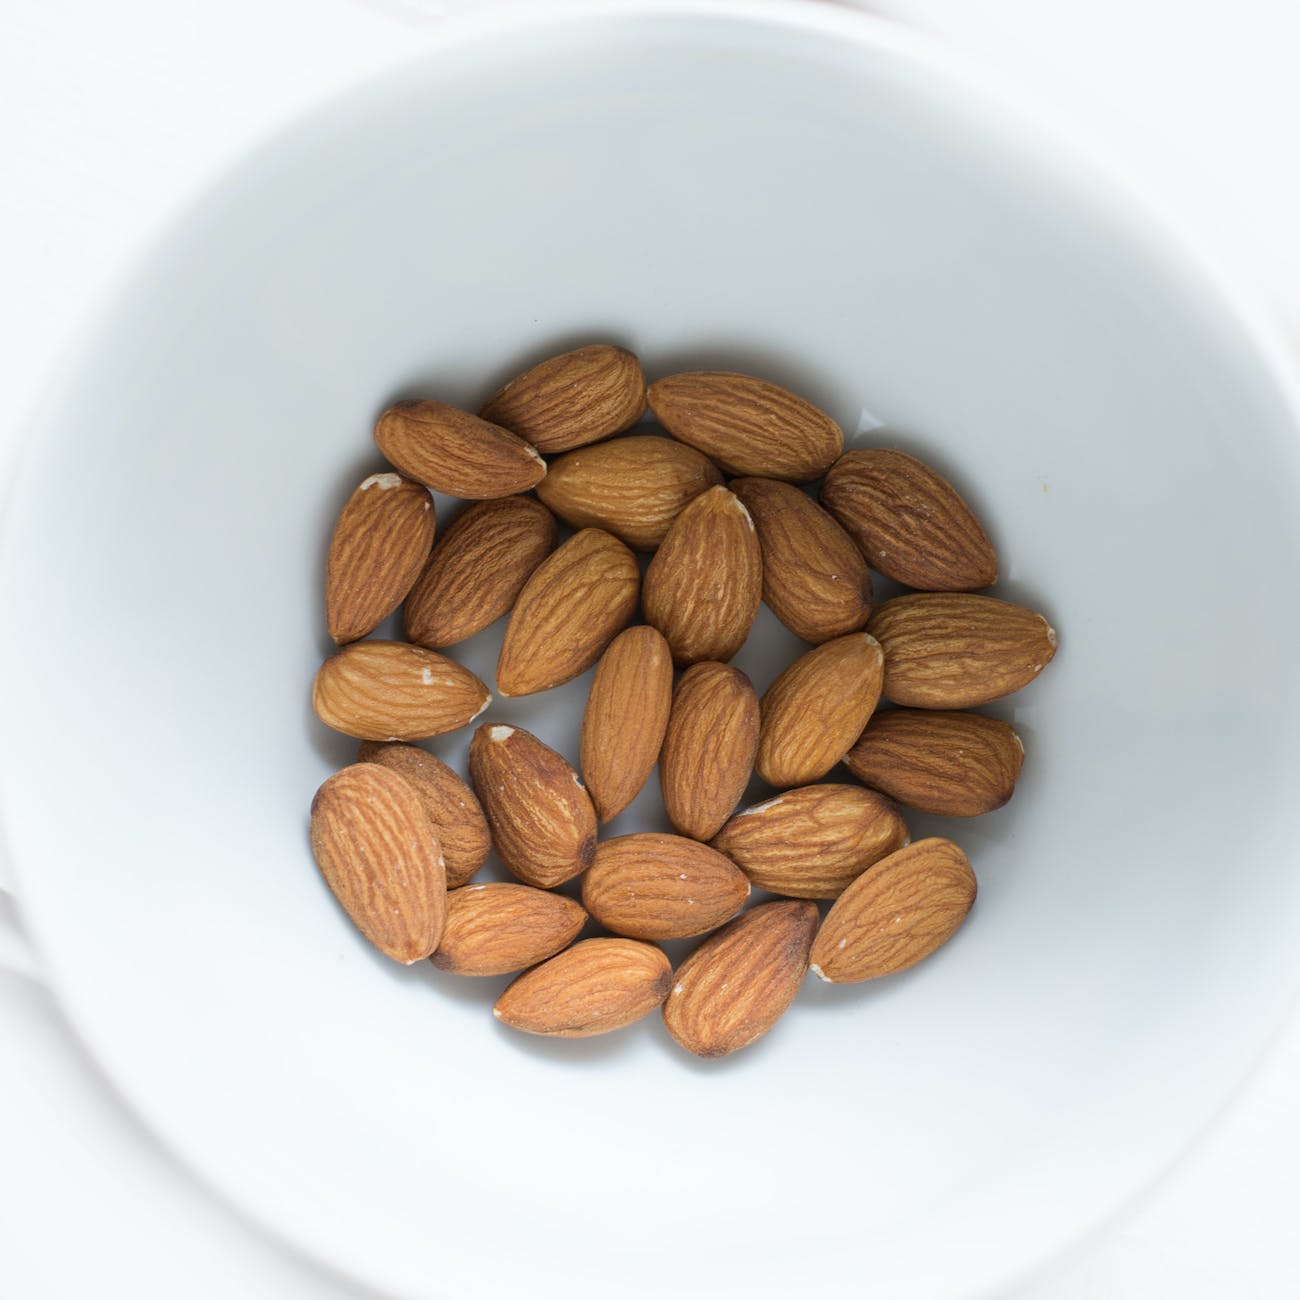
795,191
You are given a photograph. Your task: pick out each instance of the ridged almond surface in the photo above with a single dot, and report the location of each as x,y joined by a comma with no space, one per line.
949,650
900,911
380,857
747,425
388,690
576,602
499,928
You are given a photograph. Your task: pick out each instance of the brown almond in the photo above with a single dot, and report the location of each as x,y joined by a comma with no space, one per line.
500,928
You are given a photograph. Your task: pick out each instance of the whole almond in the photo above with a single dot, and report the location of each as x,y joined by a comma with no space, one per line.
591,988
817,708
576,602
814,577
449,803
388,690
704,584
633,487
477,570
812,842
380,857
747,425
952,764
738,983
900,911
499,928
909,521
380,543
573,399
627,713
455,452
656,886
543,823
945,650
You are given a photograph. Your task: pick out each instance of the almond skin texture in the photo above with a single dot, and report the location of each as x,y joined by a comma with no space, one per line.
704,585
500,928
388,690
905,907
573,399
747,425
812,842
654,886
380,544
380,857
591,988
449,803
952,764
709,747
955,651
633,487
738,983
627,713
576,602
817,708
477,570
455,452
814,577
909,521
543,823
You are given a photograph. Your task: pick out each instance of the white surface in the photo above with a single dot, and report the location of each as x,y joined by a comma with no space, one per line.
1137,1257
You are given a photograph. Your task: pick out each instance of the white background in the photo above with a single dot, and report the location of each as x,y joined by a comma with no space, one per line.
112,114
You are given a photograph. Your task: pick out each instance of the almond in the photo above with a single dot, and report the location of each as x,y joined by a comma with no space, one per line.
655,886
477,570
627,712
814,577
954,651
817,708
738,983
543,824
449,803
905,907
747,425
909,521
387,690
704,585
577,600
952,764
380,857
633,487
500,928
812,842
573,399
455,452
591,988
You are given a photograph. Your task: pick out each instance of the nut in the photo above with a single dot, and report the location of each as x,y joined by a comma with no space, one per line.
500,928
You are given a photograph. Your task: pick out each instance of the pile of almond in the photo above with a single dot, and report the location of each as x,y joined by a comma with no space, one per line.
399,835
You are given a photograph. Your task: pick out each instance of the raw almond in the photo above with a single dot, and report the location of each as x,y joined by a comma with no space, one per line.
455,452
655,886
704,585
747,425
738,983
500,928
576,602
380,857
909,521
945,650
952,764
627,712
817,708
543,823
900,911
388,690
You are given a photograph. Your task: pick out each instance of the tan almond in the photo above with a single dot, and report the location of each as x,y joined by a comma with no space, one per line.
910,522
892,916
499,928
380,857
